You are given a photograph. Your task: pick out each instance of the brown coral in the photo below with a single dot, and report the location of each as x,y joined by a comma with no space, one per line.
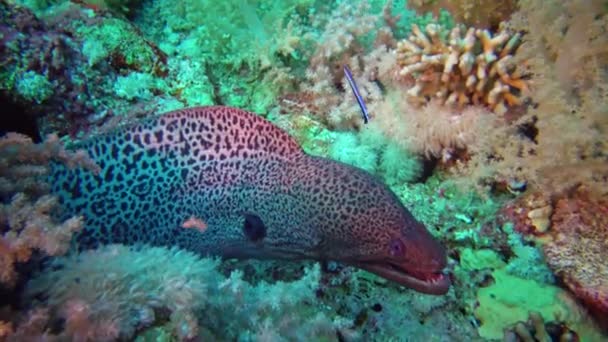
578,248
474,68
560,141
478,13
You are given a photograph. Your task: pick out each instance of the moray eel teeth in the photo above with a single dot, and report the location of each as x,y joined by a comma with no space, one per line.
426,282
223,181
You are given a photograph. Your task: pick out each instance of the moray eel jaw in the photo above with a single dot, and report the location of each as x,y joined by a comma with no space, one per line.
436,283
417,263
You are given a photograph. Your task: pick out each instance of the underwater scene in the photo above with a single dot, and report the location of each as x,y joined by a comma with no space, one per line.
304,170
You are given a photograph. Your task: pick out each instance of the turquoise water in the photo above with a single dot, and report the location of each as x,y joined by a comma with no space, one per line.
450,186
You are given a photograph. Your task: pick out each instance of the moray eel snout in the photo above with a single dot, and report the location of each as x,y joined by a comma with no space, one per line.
417,263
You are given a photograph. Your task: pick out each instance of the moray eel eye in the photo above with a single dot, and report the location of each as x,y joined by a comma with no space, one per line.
253,227
396,248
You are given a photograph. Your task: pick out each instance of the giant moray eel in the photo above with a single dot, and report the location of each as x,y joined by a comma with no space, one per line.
252,190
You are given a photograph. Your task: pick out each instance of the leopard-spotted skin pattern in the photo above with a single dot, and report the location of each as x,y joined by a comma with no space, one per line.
216,164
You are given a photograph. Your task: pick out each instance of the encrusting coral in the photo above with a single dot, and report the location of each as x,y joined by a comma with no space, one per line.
573,232
474,69
578,248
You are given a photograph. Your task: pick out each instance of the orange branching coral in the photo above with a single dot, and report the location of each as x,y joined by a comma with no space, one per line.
578,248
23,164
31,227
473,67
26,209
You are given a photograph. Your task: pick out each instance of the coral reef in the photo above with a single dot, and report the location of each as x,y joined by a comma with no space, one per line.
27,223
351,35
558,142
473,67
340,42
536,329
577,249
477,13
84,66
61,68
572,232
530,213
510,300
115,291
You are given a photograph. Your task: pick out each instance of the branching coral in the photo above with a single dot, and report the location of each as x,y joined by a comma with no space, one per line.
560,141
472,67
32,228
26,221
23,163
340,40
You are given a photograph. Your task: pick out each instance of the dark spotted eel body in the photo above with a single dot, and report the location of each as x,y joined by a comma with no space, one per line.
256,193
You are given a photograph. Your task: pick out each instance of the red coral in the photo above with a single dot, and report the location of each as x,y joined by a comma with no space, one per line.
578,248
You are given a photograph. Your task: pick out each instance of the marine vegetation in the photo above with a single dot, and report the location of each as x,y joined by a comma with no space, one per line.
304,170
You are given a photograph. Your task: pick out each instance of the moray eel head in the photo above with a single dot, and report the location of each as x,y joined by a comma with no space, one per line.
377,233
411,257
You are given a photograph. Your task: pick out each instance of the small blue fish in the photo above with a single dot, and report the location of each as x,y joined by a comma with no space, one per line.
353,86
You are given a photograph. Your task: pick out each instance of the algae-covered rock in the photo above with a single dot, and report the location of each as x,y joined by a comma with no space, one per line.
511,299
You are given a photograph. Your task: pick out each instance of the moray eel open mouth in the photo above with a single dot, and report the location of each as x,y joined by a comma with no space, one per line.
433,282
